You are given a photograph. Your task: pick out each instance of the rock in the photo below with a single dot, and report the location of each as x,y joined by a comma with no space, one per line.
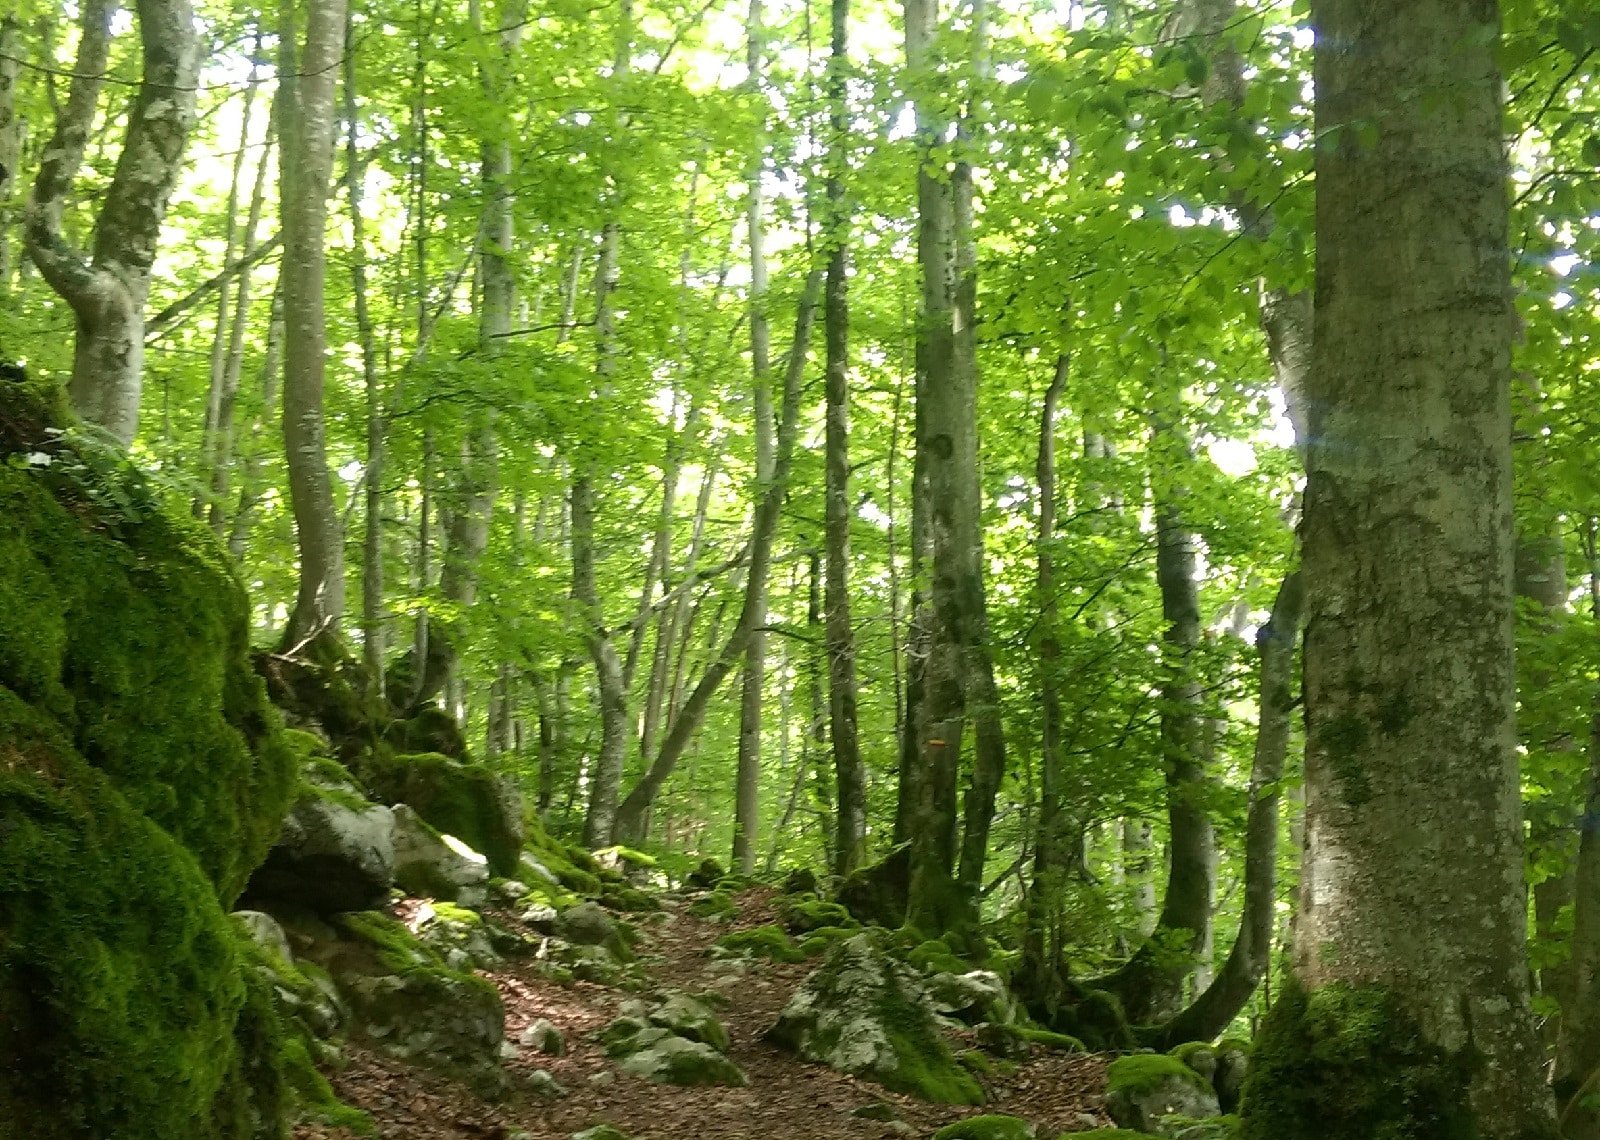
456,798
540,917
692,1019
1146,1087
978,995
990,1127
1002,1041
334,854
600,1132
590,925
802,914
510,891
622,1035
865,1013
1200,1057
430,865
1233,1063
603,1078
706,876
673,1060
877,1110
530,870
801,881
411,1005
900,1128
591,964
459,936
545,1037
265,932
770,942
541,1084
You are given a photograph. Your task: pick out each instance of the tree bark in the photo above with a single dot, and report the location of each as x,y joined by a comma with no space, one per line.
1412,913
10,141
305,84
107,289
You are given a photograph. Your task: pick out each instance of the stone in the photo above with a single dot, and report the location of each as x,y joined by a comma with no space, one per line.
864,1013
265,932
545,1037
1002,1041
673,1060
466,800
1143,1089
335,853
988,1127
431,865
589,924
541,1084
978,995
600,1132
801,881
692,1019
706,876
540,917
1233,1063
510,891
459,936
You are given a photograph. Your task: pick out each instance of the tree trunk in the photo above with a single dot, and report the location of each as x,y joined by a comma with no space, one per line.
747,785
850,831
107,289
10,141
1220,1002
306,81
1410,938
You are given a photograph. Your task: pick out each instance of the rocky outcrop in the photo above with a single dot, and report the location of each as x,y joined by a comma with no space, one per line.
865,1013
1145,1089
457,798
142,777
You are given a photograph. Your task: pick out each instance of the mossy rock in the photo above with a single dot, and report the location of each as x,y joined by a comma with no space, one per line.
864,1013
600,1132
802,914
573,868
987,1127
632,900
706,877
429,730
934,956
1104,1134
716,905
468,801
1144,1089
1216,1128
770,942
1348,1063
1199,1056
142,777
875,895
801,881
674,1060
821,940
976,1062
1049,1039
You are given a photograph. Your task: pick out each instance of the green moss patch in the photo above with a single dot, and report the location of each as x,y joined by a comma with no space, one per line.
770,942
457,798
987,1127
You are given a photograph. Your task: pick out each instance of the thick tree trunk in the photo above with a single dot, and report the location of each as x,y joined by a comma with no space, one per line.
306,82
107,289
1410,939
10,141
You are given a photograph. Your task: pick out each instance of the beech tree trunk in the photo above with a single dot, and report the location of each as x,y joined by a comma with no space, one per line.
1412,920
306,80
107,288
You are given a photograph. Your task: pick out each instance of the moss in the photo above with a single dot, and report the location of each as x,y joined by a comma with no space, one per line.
927,1069
142,777
429,730
876,894
1213,1128
465,800
770,942
819,941
718,904
1143,1073
1347,1063
1049,1039
976,1062
1104,1134
573,868
802,913
990,1127
935,957
801,881
315,1096
621,897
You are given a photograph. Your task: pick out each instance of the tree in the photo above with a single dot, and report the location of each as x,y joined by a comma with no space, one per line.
1412,909
107,288
307,73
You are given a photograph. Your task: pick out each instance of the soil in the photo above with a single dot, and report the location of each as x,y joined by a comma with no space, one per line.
787,1098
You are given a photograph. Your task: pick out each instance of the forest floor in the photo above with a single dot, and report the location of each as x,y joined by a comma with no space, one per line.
787,1099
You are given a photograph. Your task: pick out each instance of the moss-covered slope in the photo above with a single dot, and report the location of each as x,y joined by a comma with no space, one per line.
142,775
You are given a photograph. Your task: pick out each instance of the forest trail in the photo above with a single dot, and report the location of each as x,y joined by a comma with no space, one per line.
787,1098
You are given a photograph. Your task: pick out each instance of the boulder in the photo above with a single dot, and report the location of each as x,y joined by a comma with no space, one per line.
865,1013
143,777
410,1004
456,798
674,1060
801,881
706,876
264,931
335,852
589,924
459,936
1146,1088
1233,1064
431,865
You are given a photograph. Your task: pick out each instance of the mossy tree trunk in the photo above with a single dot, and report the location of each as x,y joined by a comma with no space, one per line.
1410,940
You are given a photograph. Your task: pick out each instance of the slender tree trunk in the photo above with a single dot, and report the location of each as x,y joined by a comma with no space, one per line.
747,787
255,458
10,140
1409,949
107,289
850,831
306,83
1220,1002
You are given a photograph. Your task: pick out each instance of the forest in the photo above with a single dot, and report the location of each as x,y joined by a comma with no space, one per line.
633,569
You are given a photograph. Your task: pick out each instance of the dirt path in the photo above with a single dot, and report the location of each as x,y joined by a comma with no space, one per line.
786,1100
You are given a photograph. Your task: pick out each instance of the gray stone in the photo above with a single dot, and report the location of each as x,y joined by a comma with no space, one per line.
540,917
673,1060
265,932
1145,1088
545,1037
431,865
458,936
334,854
511,891
600,1132
541,1084
588,924
980,995
692,1019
